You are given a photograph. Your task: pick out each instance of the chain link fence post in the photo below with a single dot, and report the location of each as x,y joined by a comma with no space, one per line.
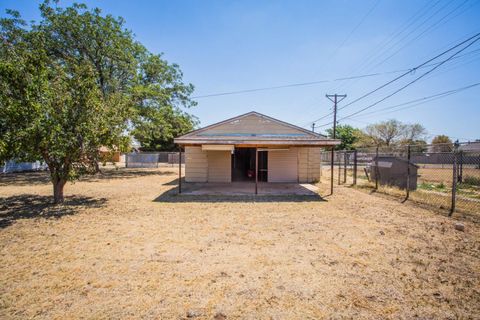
454,179
339,167
345,167
376,168
355,167
331,170
460,168
408,174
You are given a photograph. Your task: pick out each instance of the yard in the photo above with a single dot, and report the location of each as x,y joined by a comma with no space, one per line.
125,246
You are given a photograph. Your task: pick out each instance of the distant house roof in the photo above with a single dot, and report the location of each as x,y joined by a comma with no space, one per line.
470,146
254,128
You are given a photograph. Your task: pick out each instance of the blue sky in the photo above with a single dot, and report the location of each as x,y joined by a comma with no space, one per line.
224,46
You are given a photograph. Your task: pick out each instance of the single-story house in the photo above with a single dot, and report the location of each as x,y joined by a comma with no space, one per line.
109,155
253,147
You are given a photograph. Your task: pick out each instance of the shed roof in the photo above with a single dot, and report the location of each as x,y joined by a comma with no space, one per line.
254,128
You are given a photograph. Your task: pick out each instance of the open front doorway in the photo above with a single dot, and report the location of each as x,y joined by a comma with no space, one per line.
243,165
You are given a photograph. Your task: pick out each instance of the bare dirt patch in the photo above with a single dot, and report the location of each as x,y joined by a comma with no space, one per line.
129,248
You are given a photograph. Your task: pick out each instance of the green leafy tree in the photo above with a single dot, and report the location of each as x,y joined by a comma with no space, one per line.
159,97
167,123
348,135
77,81
442,143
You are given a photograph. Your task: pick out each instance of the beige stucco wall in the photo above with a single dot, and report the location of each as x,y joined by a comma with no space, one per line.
309,164
196,164
282,165
300,164
219,166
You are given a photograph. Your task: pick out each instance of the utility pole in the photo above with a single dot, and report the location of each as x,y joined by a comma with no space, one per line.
313,127
335,101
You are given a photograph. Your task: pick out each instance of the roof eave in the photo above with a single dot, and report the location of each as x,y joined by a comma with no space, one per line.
196,131
315,142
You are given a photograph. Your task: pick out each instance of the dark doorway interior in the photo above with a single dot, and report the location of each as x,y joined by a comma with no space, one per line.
243,165
262,166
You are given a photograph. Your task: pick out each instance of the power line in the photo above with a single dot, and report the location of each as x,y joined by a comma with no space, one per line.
409,72
379,50
428,28
413,81
329,58
354,29
405,86
409,33
261,89
418,101
318,81
422,33
421,100
335,100
428,134
403,70
417,67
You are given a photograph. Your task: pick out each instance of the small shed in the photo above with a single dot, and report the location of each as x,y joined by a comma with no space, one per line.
392,171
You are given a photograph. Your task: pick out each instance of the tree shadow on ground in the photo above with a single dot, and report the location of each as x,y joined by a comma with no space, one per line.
43,177
172,196
30,206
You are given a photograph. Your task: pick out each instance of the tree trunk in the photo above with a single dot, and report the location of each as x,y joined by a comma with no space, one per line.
58,185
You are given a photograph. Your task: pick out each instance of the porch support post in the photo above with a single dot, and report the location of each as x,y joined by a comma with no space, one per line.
256,170
331,171
179,169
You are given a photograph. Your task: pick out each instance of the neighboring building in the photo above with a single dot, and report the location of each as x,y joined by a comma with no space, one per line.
108,155
13,166
229,151
470,147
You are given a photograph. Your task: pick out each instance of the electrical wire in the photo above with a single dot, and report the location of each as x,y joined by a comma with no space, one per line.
377,51
436,24
409,72
420,101
411,82
354,29
417,67
456,66
369,75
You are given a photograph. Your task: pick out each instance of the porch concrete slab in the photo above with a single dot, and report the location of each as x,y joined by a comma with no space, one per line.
248,188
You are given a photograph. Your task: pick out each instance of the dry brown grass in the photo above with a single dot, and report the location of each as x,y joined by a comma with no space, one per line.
114,252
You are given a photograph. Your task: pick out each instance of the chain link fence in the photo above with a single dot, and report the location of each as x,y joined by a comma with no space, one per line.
444,176
152,159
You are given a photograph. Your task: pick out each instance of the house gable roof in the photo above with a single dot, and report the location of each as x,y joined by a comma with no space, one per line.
253,127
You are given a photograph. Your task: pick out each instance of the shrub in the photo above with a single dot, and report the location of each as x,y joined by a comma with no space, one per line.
471,180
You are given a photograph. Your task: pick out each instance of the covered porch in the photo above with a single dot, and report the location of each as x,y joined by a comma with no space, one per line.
251,154
248,188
